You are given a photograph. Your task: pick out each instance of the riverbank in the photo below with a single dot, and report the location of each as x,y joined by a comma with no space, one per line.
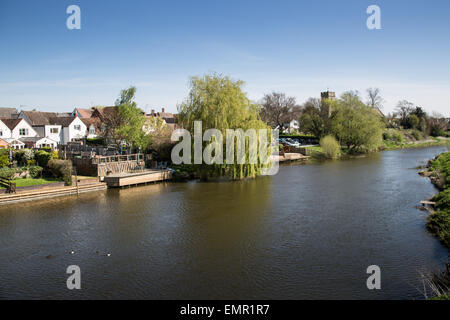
438,222
431,142
438,170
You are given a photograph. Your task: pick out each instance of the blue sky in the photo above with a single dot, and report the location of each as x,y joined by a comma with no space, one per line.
297,47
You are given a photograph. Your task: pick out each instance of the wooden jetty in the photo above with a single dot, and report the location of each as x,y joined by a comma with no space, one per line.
290,157
427,203
130,179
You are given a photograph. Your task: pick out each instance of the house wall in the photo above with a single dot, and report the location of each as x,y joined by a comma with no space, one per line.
40,131
91,135
44,142
73,133
5,131
54,136
23,125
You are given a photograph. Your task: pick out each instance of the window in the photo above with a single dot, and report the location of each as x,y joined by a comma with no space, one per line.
1,133
91,130
54,130
23,132
77,127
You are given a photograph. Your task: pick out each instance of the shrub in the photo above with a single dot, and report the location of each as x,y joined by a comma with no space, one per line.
42,157
35,171
23,156
61,169
330,147
4,158
416,134
397,136
8,173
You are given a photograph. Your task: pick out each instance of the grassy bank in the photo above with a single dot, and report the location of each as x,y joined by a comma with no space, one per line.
394,139
439,220
26,182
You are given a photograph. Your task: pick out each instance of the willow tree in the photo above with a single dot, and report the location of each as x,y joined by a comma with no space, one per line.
356,126
219,103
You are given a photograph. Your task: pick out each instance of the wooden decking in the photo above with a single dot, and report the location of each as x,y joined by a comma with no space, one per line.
290,157
429,203
129,179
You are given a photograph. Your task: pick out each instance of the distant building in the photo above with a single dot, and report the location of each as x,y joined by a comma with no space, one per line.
328,95
9,113
170,119
291,127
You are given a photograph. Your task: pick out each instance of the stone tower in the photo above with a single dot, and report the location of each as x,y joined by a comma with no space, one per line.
327,95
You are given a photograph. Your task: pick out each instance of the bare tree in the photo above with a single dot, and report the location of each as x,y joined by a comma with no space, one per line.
278,109
374,98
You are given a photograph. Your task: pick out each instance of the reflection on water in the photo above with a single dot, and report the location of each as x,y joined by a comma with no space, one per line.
308,232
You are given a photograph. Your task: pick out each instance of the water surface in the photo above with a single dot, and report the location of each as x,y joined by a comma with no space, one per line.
309,232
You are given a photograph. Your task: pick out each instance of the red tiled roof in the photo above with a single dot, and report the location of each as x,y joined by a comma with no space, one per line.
84,113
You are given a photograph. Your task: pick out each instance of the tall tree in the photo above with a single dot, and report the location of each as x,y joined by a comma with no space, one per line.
278,109
374,99
130,121
219,103
354,125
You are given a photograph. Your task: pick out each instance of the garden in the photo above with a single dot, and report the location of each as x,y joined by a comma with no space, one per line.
29,167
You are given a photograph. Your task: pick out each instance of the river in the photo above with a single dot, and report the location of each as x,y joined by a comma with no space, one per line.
309,232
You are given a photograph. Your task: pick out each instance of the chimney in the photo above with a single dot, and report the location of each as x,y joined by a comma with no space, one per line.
162,109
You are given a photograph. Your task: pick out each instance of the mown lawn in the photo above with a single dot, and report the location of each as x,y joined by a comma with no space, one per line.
32,182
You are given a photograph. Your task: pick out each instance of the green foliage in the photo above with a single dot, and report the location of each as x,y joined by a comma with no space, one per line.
413,121
96,141
42,157
8,173
394,135
439,221
436,131
4,158
61,169
35,171
220,103
132,120
355,125
416,134
330,147
439,224
23,156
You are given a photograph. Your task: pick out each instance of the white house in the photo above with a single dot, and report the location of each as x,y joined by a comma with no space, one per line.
92,126
5,132
16,129
292,126
15,143
73,129
39,142
40,121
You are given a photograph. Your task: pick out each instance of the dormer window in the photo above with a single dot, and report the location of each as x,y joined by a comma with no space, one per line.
54,130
